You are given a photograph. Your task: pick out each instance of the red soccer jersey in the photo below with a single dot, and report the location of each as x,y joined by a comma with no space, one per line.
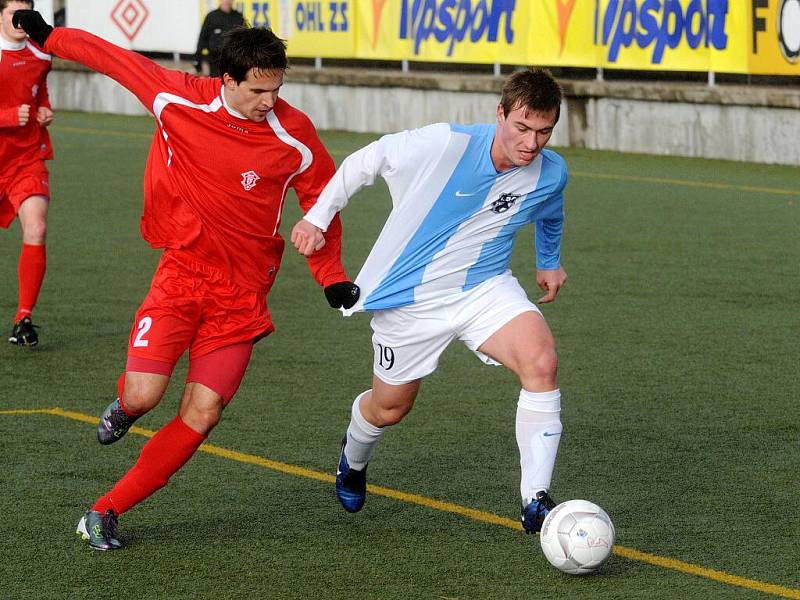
215,182
23,80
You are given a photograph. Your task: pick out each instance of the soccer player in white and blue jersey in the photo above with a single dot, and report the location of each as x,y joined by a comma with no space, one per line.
440,271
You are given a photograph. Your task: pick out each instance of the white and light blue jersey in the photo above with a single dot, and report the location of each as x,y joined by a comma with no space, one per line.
454,216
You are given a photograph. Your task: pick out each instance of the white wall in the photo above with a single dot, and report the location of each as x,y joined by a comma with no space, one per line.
168,25
45,7
746,133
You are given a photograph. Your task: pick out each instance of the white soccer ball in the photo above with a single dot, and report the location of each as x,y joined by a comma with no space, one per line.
577,537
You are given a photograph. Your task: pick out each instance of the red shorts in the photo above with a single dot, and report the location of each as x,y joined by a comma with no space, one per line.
194,306
27,181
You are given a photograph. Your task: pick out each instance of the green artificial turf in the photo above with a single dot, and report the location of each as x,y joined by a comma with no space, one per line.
678,342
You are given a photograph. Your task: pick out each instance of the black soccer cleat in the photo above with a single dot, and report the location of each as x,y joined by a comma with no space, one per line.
114,423
533,514
99,530
24,333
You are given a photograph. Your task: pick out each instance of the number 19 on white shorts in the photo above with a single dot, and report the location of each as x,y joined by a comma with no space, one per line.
408,341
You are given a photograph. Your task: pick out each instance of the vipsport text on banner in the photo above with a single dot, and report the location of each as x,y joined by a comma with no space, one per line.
475,31
697,35
685,35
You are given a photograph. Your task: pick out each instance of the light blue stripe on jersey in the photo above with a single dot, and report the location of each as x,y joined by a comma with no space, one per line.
474,174
496,253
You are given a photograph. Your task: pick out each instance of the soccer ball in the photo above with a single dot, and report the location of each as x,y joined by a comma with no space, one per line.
577,537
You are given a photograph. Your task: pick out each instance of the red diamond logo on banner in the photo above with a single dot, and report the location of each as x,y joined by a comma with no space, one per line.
129,16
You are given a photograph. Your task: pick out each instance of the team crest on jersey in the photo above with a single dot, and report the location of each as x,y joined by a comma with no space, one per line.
504,202
249,180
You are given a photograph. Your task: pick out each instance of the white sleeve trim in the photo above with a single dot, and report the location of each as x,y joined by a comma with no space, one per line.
38,53
356,171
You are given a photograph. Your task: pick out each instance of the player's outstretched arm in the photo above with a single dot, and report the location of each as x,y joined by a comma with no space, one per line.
356,172
33,24
138,74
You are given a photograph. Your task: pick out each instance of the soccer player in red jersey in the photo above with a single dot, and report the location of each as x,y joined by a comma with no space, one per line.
25,114
224,152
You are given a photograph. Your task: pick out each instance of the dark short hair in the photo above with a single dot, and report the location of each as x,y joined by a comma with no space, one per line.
534,88
4,3
248,48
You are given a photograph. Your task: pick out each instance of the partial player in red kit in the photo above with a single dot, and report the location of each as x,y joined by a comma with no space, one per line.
224,152
24,146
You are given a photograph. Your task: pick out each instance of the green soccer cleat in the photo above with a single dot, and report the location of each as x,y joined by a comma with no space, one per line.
24,333
114,423
99,530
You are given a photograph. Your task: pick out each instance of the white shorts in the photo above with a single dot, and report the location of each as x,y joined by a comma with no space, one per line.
409,340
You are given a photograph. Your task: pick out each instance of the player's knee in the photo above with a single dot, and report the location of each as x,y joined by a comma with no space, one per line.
139,400
389,404
539,370
392,415
35,232
202,421
202,417
209,421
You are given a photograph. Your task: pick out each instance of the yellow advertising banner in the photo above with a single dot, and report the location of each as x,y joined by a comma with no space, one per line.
686,35
259,14
318,28
470,31
678,35
729,36
775,37
563,31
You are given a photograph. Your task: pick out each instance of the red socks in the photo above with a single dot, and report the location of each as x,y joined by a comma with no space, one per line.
32,263
165,453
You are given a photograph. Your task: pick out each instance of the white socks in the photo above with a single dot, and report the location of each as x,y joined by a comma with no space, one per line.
538,433
362,437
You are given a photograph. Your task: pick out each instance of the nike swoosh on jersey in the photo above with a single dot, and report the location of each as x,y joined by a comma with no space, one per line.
461,194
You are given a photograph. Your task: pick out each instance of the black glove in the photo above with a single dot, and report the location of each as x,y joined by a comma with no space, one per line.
33,24
343,294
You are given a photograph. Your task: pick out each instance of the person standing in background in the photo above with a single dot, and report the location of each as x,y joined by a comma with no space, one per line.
209,43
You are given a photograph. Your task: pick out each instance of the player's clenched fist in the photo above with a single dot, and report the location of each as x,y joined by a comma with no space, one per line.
307,238
44,116
550,281
343,294
24,113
